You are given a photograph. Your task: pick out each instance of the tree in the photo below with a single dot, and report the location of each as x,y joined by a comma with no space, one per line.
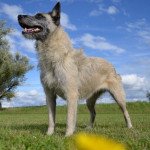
148,95
12,67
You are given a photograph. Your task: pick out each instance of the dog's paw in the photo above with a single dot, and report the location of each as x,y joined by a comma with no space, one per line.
68,133
89,127
130,126
50,131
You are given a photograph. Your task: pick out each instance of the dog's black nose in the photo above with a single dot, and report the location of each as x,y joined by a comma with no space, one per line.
21,16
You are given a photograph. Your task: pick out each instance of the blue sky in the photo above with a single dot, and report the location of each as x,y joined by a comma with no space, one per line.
117,30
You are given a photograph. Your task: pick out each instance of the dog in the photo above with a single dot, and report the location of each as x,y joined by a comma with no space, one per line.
67,72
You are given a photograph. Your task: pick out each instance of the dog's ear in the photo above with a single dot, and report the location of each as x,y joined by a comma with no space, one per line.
55,14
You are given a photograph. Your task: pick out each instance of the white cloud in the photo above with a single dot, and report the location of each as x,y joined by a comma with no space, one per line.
141,29
135,86
11,11
26,98
95,13
133,81
65,22
111,10
145,35
27,45
139,24
98,43
31,93
17,40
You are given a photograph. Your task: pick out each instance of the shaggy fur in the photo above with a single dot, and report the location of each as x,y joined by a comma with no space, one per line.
68,73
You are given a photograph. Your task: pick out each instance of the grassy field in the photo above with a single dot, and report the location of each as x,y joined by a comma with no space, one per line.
25,128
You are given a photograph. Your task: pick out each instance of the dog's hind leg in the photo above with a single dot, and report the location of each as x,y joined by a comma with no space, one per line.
91,107
117,92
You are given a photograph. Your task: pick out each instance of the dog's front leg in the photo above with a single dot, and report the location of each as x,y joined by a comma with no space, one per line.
72,102
51,103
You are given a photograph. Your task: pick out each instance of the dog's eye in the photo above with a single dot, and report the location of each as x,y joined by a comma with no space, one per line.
39,16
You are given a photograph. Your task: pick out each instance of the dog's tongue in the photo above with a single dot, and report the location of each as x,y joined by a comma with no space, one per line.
30,30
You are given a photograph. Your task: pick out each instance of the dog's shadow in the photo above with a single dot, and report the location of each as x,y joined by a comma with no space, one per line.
42,128
60,128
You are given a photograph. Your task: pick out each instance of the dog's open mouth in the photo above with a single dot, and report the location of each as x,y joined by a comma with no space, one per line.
30,29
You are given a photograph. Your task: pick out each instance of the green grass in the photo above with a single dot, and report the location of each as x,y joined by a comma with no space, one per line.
25,128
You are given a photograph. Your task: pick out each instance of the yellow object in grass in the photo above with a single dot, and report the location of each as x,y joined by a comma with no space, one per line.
94,142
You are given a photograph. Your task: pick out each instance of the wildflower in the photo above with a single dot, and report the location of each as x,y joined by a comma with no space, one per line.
95,142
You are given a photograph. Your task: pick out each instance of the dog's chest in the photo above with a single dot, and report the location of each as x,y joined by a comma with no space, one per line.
54,82
49,63
53,78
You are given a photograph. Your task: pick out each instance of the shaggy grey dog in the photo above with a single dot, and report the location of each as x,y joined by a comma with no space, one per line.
67,72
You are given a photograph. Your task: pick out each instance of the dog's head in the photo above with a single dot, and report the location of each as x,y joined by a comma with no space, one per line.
40,25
